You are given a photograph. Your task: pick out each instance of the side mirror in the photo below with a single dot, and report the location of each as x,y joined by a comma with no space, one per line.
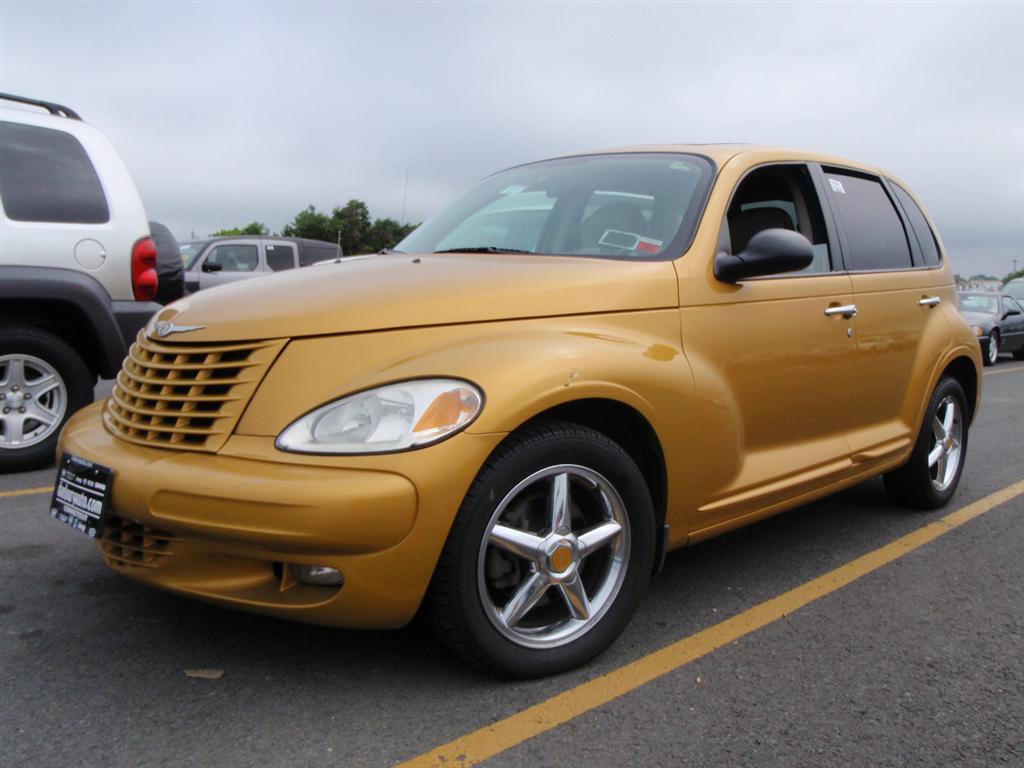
1009,312
212,266
769,252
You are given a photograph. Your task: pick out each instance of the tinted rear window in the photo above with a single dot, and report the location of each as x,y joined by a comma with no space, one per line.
280,257
875,237
918,223
46,175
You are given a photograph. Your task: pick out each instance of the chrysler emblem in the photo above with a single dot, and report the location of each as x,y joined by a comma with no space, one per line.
166,329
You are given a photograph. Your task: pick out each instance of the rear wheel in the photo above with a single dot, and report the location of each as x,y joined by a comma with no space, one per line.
549,554
42,382
930,478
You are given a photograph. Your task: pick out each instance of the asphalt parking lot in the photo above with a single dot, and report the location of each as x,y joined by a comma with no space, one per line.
914,656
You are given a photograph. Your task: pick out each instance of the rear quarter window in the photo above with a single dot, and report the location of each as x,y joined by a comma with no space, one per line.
46,176
875,238
918,223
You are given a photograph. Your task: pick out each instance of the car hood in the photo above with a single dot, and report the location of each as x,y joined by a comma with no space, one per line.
980,319
403,291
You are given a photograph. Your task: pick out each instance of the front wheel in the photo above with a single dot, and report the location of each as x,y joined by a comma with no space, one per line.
992,351
930,478
549,554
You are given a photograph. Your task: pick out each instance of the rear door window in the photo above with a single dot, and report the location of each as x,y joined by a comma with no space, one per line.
918,223
46,175
280,256
875,237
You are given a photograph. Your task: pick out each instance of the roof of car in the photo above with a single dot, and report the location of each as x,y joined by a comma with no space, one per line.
722,153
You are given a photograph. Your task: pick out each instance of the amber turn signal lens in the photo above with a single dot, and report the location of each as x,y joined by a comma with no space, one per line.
448,409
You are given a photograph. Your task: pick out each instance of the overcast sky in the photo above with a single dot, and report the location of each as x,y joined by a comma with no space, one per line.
229,112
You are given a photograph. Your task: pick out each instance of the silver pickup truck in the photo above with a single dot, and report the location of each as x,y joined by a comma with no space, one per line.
221,260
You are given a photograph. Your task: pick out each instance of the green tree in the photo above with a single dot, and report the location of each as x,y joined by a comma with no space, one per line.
1013,276
353,222
386,233
313,224
352,225
252,228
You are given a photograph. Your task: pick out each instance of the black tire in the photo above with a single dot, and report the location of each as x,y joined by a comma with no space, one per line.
913,484
991,356
456,603
74,377
1018,354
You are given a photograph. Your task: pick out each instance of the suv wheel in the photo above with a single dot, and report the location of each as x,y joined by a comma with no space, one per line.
42,382
548,555
930,478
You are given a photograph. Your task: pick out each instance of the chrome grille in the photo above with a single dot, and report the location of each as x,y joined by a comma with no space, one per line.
185,396
127,543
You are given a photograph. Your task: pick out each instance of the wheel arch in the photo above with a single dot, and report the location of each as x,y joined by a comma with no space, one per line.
632,431
72,306
965,372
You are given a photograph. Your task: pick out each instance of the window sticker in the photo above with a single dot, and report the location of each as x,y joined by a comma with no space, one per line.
648,245
837,186
515,189
679,165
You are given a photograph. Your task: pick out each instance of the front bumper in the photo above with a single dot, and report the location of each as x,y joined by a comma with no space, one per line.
227,527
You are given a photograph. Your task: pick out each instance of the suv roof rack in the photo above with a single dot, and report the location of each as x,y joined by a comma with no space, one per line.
54,109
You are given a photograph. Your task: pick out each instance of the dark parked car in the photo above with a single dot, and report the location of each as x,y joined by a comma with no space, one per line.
997,321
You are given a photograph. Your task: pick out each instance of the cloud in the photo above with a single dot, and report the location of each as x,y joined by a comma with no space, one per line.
229,112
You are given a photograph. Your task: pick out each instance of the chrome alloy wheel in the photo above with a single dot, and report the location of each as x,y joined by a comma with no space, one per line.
993,348
947,433
554,556
33,399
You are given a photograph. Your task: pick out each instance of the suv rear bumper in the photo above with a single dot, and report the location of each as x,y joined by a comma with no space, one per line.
131,316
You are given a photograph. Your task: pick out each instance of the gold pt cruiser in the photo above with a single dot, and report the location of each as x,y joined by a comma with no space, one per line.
508,420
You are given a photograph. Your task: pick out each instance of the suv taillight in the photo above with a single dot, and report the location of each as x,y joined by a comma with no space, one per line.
144,279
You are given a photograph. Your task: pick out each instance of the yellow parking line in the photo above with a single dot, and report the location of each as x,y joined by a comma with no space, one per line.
27,491
1005,370
493,739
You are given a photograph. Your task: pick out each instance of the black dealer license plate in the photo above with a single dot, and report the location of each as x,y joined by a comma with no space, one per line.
81,496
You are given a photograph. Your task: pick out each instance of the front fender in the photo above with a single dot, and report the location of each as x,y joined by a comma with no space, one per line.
524,368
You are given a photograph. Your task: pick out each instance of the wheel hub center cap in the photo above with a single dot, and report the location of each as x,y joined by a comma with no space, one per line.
560,559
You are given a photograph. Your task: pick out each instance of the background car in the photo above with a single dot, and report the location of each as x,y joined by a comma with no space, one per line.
998,322
222,260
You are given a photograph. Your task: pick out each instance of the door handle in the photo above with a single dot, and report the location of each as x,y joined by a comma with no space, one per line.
930,301
847,311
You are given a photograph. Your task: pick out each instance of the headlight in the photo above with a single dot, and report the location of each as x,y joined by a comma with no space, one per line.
394,417
977,330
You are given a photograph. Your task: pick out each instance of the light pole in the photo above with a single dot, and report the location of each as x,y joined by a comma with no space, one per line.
404,195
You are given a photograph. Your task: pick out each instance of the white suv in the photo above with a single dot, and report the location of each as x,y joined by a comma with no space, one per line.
77,271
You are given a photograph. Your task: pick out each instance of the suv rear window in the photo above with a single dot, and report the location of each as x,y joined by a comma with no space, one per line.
875,237
47,176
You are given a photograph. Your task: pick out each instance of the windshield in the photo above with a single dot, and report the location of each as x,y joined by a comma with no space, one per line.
630,206
976,302
190,251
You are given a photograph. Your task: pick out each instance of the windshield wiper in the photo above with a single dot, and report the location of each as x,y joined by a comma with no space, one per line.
482,249
386,251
